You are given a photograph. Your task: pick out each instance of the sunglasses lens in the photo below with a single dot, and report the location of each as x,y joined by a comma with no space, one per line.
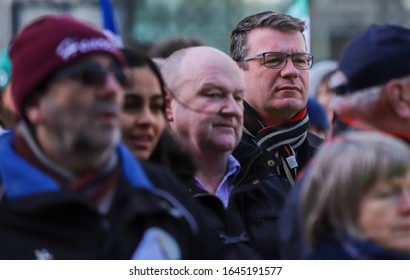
93,74
120,75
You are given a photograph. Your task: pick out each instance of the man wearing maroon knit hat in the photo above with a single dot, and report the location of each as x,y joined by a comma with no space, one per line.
69,188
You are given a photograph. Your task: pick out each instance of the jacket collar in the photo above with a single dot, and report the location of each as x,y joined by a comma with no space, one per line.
20,179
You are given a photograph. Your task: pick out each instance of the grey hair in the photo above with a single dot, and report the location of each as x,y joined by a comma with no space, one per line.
364,99
341,172
238,40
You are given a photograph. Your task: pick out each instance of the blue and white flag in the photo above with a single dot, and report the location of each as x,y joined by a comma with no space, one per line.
109,23
300,9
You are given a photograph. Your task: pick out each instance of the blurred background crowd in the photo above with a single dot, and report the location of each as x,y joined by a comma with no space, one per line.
228,122
159,27
143,22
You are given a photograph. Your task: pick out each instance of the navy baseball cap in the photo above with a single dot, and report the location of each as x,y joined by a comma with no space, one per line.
375,56
317,114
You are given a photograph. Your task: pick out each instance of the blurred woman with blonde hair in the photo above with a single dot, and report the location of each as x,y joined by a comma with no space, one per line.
356,199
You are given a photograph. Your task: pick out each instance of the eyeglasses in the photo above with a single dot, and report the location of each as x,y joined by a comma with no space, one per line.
276,60
92,74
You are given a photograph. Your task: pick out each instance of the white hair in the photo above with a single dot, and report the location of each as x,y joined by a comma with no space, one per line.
364,99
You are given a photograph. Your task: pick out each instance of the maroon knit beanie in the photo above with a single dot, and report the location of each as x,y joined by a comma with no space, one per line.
48,44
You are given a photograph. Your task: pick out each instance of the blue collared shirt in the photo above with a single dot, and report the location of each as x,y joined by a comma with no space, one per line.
227,183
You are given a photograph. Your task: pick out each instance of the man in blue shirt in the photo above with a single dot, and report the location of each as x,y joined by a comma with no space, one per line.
205,112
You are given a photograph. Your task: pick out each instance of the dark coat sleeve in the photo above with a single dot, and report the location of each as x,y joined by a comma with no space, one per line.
205,242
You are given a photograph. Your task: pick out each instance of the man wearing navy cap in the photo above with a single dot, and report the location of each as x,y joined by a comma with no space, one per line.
373,82
319,122
373,93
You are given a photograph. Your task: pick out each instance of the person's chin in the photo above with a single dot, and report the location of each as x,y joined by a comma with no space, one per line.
226,146
292,104
108,136
142,155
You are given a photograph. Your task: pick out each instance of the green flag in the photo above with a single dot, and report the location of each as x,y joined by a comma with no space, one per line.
5,69
300,9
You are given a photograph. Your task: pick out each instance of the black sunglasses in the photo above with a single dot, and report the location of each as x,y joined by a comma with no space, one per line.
92,74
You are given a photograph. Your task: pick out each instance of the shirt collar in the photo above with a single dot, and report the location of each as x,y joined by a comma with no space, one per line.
227,183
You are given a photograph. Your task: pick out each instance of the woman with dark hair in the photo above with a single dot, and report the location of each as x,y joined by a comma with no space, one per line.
144,127
142,116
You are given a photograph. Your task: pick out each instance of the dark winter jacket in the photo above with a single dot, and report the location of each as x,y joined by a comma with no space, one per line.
348,248
40,219
248,228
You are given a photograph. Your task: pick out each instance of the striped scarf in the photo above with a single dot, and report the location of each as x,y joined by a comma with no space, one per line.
282,141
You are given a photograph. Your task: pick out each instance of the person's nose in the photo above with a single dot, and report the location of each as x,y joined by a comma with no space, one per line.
145,117
404,203
289,69
231,106
112,87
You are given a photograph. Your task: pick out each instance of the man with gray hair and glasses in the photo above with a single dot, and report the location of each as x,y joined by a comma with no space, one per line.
271,51
372,93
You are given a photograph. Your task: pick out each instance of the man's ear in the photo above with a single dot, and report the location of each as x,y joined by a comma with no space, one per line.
168,103
398,94
32,109
33,114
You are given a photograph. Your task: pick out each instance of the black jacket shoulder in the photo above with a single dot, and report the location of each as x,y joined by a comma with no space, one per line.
163,178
